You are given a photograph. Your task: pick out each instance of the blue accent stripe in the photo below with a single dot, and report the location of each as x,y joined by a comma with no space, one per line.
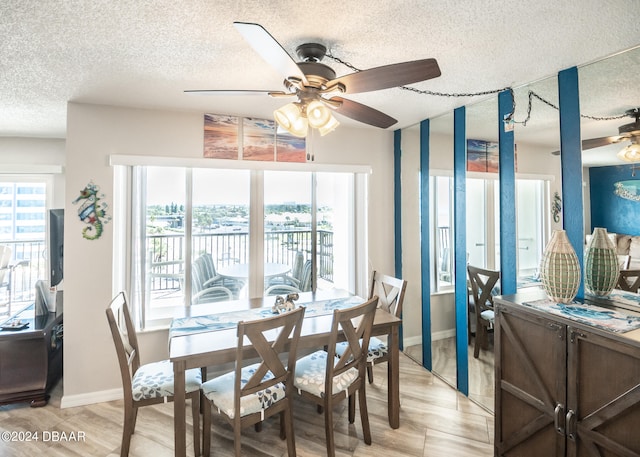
571,163
397,209
508,235
460,224
397,200
425,253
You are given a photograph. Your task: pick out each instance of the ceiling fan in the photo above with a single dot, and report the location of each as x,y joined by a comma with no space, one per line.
316,88
627,132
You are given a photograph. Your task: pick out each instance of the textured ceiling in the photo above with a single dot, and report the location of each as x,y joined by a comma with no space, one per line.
146,53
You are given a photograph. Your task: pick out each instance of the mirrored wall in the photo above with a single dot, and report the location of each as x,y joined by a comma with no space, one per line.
607,88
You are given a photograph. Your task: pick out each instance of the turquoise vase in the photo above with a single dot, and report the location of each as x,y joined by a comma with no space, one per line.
601,269
560,269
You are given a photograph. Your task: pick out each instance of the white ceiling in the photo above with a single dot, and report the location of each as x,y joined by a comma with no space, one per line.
146,53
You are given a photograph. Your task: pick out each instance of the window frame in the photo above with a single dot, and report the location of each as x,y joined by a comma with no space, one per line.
125,270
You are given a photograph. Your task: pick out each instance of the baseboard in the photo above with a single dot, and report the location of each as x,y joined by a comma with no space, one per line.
71,401
441,335
412,341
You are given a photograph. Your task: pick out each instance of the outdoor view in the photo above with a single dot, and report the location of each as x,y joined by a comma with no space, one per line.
220,215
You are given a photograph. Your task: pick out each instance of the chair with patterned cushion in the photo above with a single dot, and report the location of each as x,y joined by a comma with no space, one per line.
326,379
248,395
483,282
390,292
147,384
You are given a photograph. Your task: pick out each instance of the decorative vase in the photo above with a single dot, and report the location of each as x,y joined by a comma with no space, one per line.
560,269
601,269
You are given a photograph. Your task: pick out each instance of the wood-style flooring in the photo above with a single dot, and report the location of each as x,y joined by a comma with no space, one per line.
481,370
435,420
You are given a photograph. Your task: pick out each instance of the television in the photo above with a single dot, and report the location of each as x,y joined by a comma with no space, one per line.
56,246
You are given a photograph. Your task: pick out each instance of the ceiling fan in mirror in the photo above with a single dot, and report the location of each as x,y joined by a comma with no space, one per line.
627,132
316,90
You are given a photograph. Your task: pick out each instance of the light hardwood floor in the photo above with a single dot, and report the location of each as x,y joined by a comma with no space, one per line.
435,420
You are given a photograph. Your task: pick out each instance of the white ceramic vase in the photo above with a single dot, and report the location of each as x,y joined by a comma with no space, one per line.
560,269
601,269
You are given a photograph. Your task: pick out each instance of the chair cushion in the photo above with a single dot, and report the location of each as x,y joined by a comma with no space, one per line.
220,391
155,380
311,372
488,314
377,349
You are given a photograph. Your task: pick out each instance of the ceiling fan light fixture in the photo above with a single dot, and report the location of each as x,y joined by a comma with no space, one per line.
318,114
330,126
631,153
290,118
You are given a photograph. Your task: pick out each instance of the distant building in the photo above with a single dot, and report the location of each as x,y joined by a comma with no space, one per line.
23,209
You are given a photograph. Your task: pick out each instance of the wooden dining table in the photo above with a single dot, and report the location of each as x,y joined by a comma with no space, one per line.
214,347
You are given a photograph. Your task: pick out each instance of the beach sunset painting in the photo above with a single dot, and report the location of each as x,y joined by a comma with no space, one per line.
290,148
258,139
220,136
482,156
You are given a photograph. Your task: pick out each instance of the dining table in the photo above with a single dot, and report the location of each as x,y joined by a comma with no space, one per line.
205,336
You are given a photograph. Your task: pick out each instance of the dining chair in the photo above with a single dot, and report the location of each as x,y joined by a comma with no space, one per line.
629,280
326,379
482,283
390,292
248,395
624,261
147,384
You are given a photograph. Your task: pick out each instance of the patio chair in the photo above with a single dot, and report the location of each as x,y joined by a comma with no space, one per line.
206,285
304,284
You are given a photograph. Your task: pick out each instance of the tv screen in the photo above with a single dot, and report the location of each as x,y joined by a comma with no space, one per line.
56,245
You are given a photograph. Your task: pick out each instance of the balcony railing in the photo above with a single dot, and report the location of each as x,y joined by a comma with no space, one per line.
166,252
28,264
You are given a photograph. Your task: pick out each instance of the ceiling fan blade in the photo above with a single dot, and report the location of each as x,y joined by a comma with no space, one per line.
593,143
363,113
272,93
603,141
387,76
270,50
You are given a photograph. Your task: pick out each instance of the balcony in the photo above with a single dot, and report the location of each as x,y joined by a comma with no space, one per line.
27,264
166,253
166,260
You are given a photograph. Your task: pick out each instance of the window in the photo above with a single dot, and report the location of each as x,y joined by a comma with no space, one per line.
483,226
200,235
24,202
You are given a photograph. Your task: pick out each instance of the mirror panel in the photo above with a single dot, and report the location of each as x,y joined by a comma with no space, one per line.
609,88
443,331
483,237
412,307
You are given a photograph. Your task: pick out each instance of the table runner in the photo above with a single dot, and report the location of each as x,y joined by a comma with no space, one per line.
219,321
592,315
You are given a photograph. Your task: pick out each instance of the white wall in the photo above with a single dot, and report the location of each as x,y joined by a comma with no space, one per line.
29,155
96,132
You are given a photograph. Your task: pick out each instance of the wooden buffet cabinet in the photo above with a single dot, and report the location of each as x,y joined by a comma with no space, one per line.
30,358
564,387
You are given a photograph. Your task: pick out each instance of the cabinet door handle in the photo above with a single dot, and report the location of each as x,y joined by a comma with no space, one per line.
570,424
557,417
